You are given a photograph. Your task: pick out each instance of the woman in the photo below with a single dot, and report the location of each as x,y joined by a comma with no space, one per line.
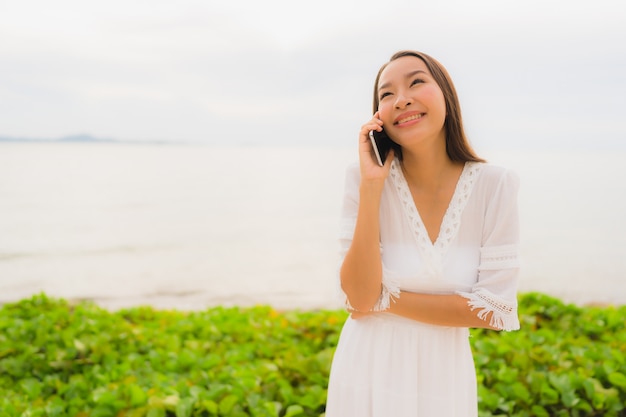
430,243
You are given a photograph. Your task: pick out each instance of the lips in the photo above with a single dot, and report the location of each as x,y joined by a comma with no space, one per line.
405,118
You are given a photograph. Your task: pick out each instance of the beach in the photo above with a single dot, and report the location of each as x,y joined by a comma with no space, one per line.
193,226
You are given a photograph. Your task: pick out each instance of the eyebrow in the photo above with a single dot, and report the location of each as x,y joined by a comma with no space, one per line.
409,75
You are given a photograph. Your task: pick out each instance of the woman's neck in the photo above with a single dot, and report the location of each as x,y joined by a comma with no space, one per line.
429,168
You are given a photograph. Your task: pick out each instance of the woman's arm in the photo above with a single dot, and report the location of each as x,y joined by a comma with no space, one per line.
442,310
361,271
491,303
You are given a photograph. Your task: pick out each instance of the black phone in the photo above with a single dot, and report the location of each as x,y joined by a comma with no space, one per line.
381,143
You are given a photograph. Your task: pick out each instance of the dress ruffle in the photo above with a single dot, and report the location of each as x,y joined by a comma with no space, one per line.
503,312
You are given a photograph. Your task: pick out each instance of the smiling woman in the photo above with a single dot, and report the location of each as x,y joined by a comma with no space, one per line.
430,249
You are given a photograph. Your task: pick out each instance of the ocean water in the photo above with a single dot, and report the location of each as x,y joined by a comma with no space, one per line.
191,226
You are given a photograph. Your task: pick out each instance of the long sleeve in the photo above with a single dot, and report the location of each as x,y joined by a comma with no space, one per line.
347,225
495,291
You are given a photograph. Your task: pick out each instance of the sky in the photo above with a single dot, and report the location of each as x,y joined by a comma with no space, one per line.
530,74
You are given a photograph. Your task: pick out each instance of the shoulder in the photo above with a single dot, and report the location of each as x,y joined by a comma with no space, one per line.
493,180
496,175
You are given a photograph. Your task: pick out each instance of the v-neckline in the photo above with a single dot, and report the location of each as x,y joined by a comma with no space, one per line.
450,222
442,222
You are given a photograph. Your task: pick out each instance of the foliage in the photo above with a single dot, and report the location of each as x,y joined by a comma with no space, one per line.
76,359
566,361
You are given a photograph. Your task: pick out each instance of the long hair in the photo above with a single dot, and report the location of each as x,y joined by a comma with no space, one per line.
458,147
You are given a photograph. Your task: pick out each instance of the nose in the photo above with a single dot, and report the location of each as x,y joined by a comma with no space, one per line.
402,101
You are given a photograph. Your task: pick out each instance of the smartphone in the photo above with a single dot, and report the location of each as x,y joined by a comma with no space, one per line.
381,143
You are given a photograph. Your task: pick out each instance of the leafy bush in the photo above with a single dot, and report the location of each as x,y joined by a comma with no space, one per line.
63,359
566,361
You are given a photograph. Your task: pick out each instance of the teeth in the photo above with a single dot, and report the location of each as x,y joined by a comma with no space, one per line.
408,119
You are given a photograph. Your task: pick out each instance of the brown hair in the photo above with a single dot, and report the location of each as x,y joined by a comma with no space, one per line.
458,147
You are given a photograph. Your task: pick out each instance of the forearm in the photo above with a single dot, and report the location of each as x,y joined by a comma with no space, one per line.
441,310
361,271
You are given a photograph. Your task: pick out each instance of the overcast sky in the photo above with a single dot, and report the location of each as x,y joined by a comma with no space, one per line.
532,73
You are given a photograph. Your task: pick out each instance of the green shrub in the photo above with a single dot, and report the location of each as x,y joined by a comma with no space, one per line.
76,359
566,361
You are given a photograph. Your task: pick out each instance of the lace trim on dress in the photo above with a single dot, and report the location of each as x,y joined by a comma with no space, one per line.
504,313
452,217
499,257
390,291
410,210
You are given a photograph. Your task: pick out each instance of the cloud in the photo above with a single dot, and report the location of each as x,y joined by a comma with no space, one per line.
281,72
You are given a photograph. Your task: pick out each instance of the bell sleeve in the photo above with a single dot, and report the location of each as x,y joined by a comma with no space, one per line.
495,293
390,290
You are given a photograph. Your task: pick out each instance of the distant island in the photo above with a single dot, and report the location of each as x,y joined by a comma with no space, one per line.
71,138
84,138
78,138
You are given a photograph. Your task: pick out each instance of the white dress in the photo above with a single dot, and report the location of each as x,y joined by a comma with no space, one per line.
389,366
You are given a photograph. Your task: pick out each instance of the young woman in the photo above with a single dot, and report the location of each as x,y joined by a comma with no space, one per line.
430,245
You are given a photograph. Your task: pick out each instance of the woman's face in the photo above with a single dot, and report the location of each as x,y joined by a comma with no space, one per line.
411,104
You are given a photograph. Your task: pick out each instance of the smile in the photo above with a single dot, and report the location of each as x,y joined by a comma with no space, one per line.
408,119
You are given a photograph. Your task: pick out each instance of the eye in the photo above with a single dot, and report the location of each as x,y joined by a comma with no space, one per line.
417,81
383,95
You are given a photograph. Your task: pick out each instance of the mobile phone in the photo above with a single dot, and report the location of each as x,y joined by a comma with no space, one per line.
381,143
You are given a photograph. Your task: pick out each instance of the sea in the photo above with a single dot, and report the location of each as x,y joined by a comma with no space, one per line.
190,226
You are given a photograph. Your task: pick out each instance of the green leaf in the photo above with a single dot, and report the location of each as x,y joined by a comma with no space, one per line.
539,411
520,392
137,396
227,404
294,410
171,401
156,412
549,395
32,387
561,382
210,406
617,379
80,346
55,408
569,398
185,407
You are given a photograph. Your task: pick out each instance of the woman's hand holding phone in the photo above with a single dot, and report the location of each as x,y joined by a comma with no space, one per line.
370,169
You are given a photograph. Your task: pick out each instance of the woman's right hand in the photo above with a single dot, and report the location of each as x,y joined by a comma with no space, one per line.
370,170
